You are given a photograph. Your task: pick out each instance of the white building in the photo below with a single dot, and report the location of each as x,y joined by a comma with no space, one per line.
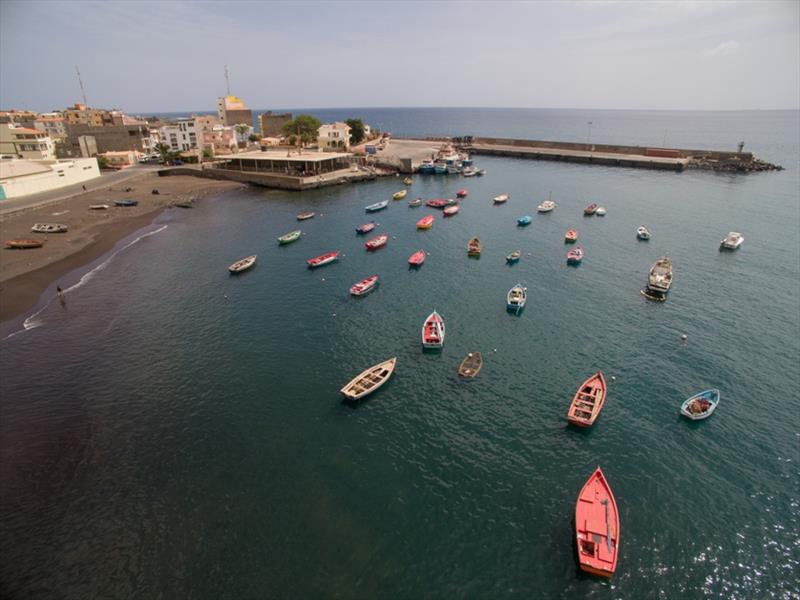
334,136
180,136
22,142
21,177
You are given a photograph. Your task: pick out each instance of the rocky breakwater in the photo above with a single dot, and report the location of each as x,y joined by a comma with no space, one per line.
746,163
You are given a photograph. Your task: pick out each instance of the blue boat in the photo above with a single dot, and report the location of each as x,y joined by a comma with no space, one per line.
426,166
524,221
126,202
700,406
377,206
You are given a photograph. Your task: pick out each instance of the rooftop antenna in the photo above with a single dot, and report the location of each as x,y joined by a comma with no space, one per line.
227,81
80,81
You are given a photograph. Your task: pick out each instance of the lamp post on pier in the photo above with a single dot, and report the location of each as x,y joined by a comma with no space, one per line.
589,135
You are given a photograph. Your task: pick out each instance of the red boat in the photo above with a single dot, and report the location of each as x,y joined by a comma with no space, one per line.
462,193
590,210
588,401
425,222
451,210
597,527
571,236
323,259
24,244
367,227
379,241
437,203
417,258
362,287
433,331
575,256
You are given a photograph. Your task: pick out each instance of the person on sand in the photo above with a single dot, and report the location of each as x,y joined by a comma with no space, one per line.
84,188
59,291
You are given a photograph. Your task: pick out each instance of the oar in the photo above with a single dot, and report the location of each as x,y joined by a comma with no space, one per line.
608,527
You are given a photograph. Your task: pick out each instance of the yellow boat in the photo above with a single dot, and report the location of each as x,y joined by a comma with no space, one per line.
399,195
408,181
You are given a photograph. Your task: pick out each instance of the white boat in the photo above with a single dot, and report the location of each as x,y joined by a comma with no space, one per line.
370,380
501,198
516,297
49,228
700,406
601,211
98,207
433,331
243,265
470,172
643,233
732,241
377,206
660,278
546,206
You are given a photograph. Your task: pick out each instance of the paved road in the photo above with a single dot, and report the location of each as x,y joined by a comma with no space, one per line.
106,180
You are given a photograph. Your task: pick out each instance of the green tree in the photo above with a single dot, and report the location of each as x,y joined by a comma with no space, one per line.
208,153
102,162
305,128
254,137
357,131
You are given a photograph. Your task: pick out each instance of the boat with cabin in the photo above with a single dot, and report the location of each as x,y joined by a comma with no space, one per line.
427,166
546,206
416,259
425,222
474,247
597,527
471,365
366,227
433,331
700,406
377,206
323,259
732,241
588,401
379,241
290,237
660,279
243,264
516,298
369,380
364,286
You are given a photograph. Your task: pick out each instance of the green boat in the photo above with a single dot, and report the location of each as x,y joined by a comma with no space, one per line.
290,237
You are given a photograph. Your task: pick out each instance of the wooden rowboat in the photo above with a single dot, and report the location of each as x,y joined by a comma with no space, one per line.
24,244
243,264
417,258
501,198
364,286
290,237
379,241
48,228
516,298
588,401
415,202
322,259
597,527
399,195
462,193
377,206
590,210
433,331
370,380
571,237
436,203
425,222
451,210
474,247
471,365
367,227
700,406
305,215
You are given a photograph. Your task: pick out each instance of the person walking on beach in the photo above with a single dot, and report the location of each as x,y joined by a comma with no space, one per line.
84,188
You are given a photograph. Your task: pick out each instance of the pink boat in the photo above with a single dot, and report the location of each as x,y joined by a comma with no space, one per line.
590,210
322,259
425,222
417,258
451,210
437,202
462,193
367,227
379,241
575,256
364,286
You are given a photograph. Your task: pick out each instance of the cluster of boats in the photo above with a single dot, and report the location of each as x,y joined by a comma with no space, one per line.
448,161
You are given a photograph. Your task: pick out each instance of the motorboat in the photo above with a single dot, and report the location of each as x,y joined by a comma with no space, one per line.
366,227
415,202
49,228
474,247
601,211
502,198
546,206
128,202
732,241
462,193
439,203
575,256
590,210
243,264
408,181
379,241
514,257
377,206
524,221
643,233
416,259
571,236
305,215
660,279
449,211
370,380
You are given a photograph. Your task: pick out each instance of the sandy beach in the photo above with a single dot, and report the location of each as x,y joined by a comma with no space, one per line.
25,274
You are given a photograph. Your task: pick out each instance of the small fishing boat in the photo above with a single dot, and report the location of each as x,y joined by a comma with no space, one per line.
415,202
546,206
575,256
186,204
433,331
471,365
408,181
126,202
514,256
588,401
470,172
322,259
449,211
590,210
370,380
364,286
732,241
643,233
49,228
24,244
379,241
660,279
474,247
290,237
480,172
451,202
462,193
516,298
571,237
524,220
417,258
597,527
99,207
426,166
399,195
601,211
700,406
305,215
377,206
501,198
367,227
425,222
436,203
243,264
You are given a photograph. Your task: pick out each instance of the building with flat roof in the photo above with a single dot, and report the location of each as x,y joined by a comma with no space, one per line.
232,111
271,125
109,138
24,142
23,177
307,164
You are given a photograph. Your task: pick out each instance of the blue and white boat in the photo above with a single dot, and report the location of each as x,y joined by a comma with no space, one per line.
700,406
377,206
516,297
524,221
440,167
427,166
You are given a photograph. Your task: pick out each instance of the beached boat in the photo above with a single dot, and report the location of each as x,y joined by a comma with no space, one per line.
186,204
305,215
290,237
732,241
425,222
588,401
49,228
643,233
243,264
377,206
660,279
364,286
471,365
415,202
417,258
322,259
524,220
590,210
24,244
601,211
700,406
462,193
571,237
474,247
367,227
99,207
408,181
575,256
514,256
433,331
379,241
436,203
370,380
546,206
516,298
399,195
126,202
597,527
501,198
449,211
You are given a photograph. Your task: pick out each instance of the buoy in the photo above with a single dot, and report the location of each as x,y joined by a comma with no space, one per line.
684,337
495,349
613,378
323,279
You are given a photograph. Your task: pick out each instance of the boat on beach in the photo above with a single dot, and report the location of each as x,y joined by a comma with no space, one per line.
399,195
524,221
23,244
415,202
643,233
571,236
433,331
516,298
732,241
366,227
290,237
462,193
377,206
305,215
370,380
474,247
49,228
502,198
700,406
588,401
659,280
514,257
425,222
126,202
99,207
575,256
416,259
322,259
379,241
597,527
590,210
243,264
449,211
364,286
471,365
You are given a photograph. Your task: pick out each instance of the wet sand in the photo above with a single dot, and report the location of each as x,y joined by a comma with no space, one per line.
26,274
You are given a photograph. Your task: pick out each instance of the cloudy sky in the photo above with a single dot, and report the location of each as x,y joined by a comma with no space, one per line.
169,56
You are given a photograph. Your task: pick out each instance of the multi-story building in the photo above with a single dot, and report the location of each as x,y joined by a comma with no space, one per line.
52,124
23,118
334,136
80,114
272,125
232,111
220,140
108,138
24,142
181,135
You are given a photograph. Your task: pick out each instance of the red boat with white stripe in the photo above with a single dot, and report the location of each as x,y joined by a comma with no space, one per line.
323,259
365,286
462,193
379,241
417,258
425,222
433,331
437,202
597,527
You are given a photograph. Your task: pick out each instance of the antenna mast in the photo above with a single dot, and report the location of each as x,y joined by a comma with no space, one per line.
80,81
227,81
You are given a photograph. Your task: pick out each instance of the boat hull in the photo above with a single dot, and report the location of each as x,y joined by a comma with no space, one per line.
710,396
369,381
588,401
597,530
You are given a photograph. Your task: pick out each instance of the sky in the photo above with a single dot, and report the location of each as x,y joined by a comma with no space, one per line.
145,57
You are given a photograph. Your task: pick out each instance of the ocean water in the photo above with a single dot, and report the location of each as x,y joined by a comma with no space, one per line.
175,432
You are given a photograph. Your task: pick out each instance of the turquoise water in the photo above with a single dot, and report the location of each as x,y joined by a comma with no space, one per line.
177,432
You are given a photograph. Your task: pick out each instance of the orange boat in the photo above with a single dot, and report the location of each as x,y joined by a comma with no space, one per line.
597,527
24,244
425,222
588,401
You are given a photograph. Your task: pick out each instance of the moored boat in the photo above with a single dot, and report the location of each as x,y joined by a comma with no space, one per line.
364,286
436,203
480,172
601,211
24,244
399,195
449,211
408,181
426,166
732,241
470,172
367,227
323,259
575,256
370,380
305,215
290,237
471,365
588,401
514,256
643,233
377,206
425,222
462,193
48,228
433,331
516,298
417,258
415,202
660,279
243,264
128,202
700,406
524,220
501,198
590,210
546,206
597,527
379,241
474,247
571,236
99,207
